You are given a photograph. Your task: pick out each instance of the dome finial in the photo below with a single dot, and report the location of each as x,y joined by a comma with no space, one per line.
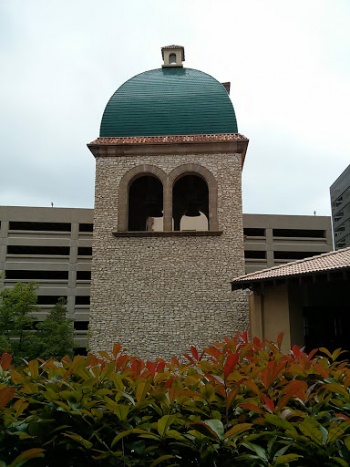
173,55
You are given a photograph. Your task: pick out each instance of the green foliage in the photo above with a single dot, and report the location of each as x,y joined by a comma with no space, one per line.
16,322
239,402
51,338
55,334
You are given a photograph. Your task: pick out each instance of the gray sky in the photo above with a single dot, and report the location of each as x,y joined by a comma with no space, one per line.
288,63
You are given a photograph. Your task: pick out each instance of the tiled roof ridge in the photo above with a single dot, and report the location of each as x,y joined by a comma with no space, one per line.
172,46
255,275
169,139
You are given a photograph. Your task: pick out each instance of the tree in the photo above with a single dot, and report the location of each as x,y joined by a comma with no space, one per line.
16,320
18,333
55,334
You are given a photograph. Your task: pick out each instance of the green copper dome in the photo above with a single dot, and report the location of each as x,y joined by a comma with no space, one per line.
169,101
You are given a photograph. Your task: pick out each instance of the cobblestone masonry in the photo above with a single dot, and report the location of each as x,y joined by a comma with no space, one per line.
157,296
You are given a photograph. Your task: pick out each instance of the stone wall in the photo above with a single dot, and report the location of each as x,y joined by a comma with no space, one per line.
159,295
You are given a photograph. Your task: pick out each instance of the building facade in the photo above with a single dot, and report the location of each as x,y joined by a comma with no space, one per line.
168,150
167,232
340,200
53,246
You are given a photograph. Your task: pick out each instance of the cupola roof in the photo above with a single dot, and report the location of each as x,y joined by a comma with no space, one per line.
169,101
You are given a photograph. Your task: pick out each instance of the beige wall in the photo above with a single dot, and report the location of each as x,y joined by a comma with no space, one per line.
158,295
269,314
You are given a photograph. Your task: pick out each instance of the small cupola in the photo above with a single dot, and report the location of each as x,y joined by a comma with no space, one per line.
173,55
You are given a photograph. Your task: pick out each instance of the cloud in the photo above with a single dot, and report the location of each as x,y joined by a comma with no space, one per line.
288,64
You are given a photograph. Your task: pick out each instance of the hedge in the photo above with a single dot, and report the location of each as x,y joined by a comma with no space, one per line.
237,402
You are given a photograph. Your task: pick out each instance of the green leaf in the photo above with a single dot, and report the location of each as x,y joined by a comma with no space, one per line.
237,430
142,390
33,453
174,434
164,423
334,433
122,412
121,435
284,460
347,442
161,459
79,439
213,429
279,422
314,431
336,388
259,451
340,461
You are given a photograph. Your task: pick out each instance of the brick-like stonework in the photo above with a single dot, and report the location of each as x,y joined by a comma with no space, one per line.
157,295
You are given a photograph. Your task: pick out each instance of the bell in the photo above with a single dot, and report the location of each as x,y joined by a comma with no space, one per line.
155,211
153,207
192,211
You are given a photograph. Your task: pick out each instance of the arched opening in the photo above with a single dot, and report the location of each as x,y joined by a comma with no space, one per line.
145,204
190,203
172,59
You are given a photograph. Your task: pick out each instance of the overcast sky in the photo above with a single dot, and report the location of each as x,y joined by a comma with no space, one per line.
288,63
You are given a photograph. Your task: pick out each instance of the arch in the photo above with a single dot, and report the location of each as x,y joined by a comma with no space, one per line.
126,182
204,174
172,59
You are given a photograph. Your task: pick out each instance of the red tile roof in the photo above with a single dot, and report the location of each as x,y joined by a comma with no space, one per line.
327,262
169,139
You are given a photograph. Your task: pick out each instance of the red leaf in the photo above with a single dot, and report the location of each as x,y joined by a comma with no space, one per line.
169,383
5,361
258,343
297,352
151,367
116,350
244,337
194,352
251,407
280,339
270,373
231,362
269,403
214,352
121,362
137,365
160,366
343,416
6,394
295,389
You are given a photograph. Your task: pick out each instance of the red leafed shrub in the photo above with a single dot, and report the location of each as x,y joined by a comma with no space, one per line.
237,402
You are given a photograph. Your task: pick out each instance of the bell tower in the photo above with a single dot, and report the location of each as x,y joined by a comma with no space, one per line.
168,234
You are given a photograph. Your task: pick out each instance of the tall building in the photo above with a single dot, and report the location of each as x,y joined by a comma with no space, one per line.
168,150
53,247
167,233
340,200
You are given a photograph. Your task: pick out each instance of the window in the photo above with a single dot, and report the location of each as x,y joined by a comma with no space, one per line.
41,226
84,251
190,203
83,275
254,232
86,227
36,275
172,59
37,250
183,200
294,255
299,233
254,254
82,300
145,204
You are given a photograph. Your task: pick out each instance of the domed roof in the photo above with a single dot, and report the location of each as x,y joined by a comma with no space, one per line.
169,101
